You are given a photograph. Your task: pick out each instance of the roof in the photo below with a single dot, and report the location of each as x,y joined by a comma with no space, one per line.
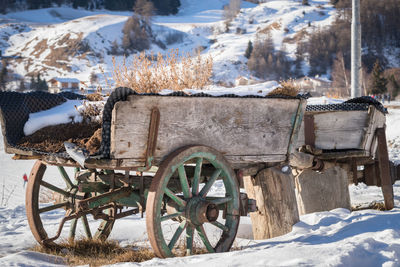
66,80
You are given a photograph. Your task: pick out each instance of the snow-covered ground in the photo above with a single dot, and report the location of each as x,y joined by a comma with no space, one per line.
332,238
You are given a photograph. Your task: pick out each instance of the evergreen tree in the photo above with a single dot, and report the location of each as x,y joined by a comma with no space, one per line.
298,71
378,83
166,7
249,50
305,3
32,86
93,77
22,86
3,76
395,86
119,4
114,48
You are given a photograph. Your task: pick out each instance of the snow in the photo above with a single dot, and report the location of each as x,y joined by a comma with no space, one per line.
331,238
64,113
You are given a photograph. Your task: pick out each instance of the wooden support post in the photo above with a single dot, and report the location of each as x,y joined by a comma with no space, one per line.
384,169
370,175
322,191
276,203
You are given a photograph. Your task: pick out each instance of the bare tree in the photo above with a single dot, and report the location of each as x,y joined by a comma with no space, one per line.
340,76
144,9
232,9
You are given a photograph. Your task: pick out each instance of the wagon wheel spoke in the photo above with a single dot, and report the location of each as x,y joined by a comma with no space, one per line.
219,200
189,239
55,188
177,234
72,230
196,177
184,182
204,238
209,184
175,198
86,226
65,177
221,226
53,207
171,216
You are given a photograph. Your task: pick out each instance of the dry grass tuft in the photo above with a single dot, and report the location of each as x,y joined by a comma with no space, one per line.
94,97
150,74
96,252
273,26
374,206
287,88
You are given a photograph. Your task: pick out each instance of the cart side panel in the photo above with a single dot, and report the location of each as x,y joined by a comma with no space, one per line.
335,130
243,129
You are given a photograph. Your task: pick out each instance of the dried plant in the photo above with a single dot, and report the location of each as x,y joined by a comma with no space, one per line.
150,74
91,111
95,252
287,88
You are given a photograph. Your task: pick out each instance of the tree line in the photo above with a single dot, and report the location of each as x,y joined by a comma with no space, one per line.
162,7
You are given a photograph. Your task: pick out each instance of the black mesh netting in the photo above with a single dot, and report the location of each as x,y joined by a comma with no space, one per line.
15,108
359,103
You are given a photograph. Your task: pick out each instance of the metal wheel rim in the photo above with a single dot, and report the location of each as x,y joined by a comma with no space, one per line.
157,192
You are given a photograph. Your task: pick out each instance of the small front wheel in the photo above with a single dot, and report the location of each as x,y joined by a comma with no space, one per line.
194,191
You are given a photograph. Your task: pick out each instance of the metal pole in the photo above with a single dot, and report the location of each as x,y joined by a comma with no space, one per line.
355,50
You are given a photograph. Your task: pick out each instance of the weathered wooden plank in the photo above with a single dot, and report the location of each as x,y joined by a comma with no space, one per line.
243,129
274,193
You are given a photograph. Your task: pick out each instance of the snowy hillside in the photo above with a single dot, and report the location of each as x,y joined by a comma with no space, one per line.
72,42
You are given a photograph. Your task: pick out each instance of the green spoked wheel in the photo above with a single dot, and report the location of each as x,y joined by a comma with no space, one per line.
50,197
194,191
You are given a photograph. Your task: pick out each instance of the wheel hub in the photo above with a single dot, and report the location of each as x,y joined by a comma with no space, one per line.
199,211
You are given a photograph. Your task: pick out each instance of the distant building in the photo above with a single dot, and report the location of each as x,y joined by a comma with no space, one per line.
316,86
57,85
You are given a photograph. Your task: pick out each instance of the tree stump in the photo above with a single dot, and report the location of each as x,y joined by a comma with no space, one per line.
322,191
276,201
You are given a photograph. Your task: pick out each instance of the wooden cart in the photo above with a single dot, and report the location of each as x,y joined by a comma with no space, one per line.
175,157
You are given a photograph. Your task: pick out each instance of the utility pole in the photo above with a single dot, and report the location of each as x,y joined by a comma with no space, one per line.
355,50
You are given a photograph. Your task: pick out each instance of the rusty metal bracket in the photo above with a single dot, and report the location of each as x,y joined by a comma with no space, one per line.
247,205
152,138
309,130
